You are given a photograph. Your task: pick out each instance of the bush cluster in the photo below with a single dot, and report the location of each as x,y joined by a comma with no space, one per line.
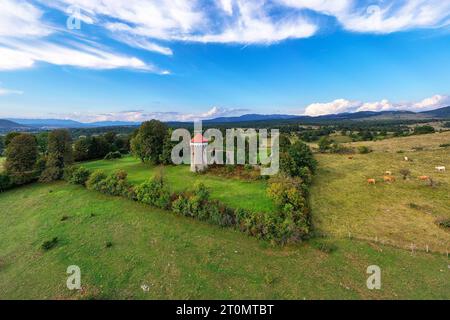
197,204
77,175
443,223
115,184
364,150
154,192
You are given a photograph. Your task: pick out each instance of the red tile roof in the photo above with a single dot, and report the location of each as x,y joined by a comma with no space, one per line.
198,138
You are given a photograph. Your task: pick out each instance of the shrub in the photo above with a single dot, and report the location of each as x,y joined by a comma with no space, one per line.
324,144
424,130
219,214
181,206
78,175
116,184
443,223
414,206
364,150
49,244
51,173
337,148
445,145
405,173
113,155
5,182
154,192
292,220
95,180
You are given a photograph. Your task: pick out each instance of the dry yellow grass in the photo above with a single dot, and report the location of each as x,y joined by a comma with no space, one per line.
400,213
406,144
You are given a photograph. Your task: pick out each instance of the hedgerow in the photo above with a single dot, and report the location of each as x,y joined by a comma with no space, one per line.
289,190
77,175
154,192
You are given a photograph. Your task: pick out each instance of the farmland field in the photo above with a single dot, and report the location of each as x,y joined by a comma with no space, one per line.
401,213
180,258
2,161
235,193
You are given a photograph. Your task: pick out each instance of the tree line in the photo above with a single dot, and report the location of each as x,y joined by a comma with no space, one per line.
44,156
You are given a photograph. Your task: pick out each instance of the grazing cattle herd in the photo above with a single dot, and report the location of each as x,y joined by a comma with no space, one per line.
389,178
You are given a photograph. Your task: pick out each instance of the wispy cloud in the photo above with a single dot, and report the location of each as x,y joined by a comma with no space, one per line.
343,105
5,92
256,21
153,25
24,40
142,115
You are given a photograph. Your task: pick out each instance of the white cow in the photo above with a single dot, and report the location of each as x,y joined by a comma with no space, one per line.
440,169
406,159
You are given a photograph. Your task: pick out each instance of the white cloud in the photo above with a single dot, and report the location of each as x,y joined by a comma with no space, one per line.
4,91
329,7
436,101
24,54
24,40
343,105
152,25
11,59
226,5
392,16
19,18
336,106
142,23
141,115
380,16
383,105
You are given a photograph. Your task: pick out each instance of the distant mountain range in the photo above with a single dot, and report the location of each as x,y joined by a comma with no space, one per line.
6,126
24,124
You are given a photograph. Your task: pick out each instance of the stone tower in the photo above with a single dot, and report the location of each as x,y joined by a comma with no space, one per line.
199,161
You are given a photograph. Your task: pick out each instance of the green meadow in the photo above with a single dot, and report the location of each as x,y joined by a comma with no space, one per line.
121,245
181,258
236,193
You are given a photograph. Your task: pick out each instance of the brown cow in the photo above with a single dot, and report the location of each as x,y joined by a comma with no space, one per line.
371,181
389,179
424,178
350,158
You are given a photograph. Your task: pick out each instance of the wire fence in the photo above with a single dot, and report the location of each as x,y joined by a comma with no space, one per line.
442,249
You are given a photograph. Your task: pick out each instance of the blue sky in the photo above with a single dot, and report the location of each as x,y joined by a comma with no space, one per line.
180,60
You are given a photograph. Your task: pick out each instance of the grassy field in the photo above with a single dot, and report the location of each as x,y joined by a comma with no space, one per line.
2,161
402,213
235,193
182,258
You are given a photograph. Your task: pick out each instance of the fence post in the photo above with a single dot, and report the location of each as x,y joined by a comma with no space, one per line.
412,248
